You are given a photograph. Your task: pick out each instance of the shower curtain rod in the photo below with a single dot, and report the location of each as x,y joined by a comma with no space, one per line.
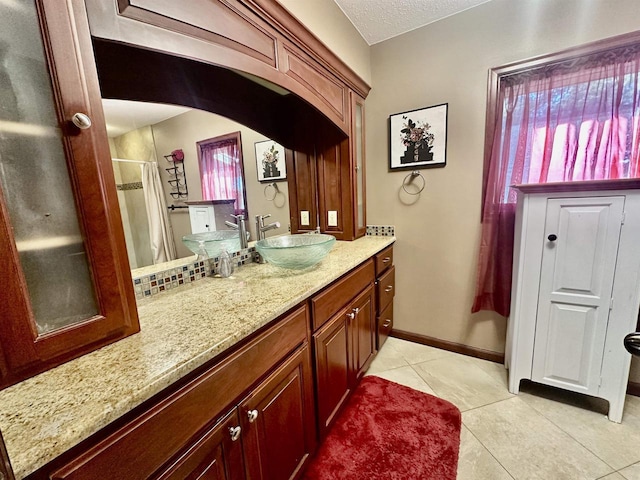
129,161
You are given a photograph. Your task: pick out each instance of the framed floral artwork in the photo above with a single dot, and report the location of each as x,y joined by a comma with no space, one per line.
270,161
418,138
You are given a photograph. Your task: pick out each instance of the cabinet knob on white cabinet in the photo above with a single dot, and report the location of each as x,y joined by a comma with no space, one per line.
235,433
552,238
252,415
81,120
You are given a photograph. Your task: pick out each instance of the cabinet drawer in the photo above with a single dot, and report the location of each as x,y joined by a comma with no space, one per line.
386,288
384,260
143,445
385,324
325,304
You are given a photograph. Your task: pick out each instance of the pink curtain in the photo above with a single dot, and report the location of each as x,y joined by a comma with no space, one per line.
221,173
559,123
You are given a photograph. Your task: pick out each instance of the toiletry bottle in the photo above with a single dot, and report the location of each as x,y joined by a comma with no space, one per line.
225,268
202,254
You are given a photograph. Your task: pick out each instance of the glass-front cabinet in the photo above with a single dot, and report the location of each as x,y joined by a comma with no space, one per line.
66,286
358,158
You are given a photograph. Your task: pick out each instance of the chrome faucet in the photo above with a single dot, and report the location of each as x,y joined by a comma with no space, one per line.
241,226
261,228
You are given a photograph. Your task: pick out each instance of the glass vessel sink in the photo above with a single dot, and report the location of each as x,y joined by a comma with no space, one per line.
295,251
213,242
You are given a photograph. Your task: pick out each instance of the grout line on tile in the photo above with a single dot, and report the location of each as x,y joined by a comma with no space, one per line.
489,451
576,440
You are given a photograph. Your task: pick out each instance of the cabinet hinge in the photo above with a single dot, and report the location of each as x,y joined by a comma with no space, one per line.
624,217
611,304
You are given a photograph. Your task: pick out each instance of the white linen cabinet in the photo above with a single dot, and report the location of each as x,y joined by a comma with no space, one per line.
576,287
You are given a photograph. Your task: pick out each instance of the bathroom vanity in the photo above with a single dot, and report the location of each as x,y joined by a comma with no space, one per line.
215,360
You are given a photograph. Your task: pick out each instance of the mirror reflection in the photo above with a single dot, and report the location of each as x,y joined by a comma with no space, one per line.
170,184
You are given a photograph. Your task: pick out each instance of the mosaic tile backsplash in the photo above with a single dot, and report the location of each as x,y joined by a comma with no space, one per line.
157,282
154,283
381,230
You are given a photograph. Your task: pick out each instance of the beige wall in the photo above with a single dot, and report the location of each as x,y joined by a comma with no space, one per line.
327,22
448,62
182,132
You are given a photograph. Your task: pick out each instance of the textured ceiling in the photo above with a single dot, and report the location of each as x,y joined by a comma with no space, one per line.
379,20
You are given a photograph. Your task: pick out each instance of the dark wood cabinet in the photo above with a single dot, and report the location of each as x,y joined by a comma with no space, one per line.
345,344
270,435
278,427
180,432
331,181
66,288
385,292
215,456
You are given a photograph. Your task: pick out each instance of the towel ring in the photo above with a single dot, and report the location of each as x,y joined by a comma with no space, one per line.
411,178
276,191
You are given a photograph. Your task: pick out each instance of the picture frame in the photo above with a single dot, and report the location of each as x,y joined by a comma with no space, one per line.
270,161
418,138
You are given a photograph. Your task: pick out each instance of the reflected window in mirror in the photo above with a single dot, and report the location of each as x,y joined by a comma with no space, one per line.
221,170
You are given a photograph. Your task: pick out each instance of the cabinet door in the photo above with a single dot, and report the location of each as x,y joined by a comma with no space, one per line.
303,194
66,286
278,421
332,356
363,333
577,272
358,163
217,455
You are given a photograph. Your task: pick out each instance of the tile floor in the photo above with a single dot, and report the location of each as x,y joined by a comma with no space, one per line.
542,433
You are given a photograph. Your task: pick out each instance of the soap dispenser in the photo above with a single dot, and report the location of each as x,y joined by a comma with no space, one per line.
225,267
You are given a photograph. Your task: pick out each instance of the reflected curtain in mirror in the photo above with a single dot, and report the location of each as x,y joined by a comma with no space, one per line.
163,246
221,170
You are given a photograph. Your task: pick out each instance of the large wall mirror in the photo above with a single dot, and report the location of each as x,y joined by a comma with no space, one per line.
148,132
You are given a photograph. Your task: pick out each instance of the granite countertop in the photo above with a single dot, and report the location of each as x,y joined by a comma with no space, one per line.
181,329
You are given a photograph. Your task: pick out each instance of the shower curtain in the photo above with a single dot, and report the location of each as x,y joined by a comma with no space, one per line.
163,248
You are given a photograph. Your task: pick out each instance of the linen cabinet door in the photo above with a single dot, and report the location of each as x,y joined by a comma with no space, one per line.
576,280
278,421
332,356
216,456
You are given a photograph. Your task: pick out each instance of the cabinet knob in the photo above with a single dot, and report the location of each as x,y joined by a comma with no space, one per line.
351,316
386,323
252,415
386,259
552,238
81,120
235,433
356,310
389,288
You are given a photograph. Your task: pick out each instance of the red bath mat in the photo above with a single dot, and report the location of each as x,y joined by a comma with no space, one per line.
389,431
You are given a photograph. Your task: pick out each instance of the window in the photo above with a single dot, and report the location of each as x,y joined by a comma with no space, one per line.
572,116
221,170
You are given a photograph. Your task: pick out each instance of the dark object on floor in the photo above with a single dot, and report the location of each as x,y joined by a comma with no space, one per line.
389,431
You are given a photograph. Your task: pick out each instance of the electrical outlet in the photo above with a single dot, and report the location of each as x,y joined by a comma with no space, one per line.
304,218
332,221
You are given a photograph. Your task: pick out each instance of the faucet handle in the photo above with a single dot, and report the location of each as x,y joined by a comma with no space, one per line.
238,217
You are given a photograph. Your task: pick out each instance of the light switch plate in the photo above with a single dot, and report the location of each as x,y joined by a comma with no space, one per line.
332,221
304,217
